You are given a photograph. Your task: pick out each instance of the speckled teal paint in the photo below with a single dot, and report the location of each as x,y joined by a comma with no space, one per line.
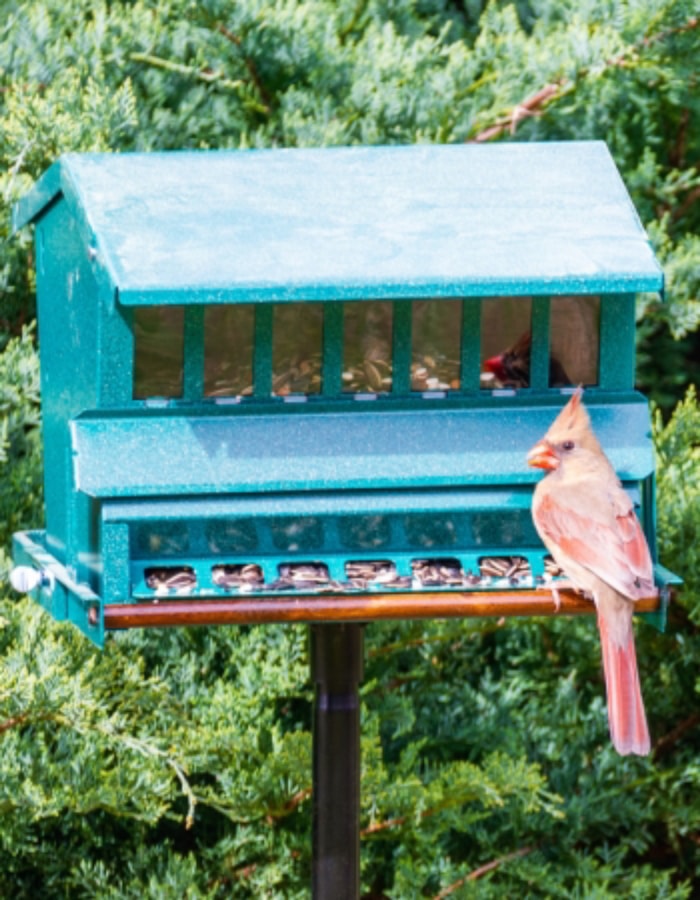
376,448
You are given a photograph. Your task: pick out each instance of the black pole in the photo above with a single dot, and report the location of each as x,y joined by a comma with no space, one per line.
336,668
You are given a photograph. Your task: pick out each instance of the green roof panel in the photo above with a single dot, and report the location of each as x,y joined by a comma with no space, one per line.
354,222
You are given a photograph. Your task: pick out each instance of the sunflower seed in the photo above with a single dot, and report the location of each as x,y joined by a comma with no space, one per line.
248,576
551,567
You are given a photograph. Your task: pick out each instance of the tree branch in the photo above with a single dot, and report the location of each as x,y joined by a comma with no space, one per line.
530,106
666,743
401,820
535,103
13,722
249,64
205,75
483,870
289,807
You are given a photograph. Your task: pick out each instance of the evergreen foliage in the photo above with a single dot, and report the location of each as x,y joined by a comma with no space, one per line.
177,764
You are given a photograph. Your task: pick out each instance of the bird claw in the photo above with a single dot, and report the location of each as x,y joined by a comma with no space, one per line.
562,584
557,599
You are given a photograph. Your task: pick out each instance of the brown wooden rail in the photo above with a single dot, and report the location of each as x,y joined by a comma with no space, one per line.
249,610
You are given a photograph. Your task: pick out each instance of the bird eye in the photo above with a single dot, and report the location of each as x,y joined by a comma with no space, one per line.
568,445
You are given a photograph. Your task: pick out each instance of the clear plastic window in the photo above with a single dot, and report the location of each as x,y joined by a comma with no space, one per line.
429,531
575,341
297,348
501,528
506,330
436,333
159,340
159,538
228,350
231,535
293,534
367,350
370,532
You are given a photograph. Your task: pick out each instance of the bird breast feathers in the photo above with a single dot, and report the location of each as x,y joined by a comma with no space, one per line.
598,529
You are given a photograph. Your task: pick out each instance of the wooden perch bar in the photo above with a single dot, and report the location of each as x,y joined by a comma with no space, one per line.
247,610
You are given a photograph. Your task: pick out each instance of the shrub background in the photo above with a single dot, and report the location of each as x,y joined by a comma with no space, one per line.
177,764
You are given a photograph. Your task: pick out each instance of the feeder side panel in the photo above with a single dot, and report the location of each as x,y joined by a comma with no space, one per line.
68,326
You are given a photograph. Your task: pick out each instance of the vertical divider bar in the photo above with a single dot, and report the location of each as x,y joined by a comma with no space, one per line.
616,363
540,343
333,338
193,371
470,351
115,560
402,345
262,350
117,340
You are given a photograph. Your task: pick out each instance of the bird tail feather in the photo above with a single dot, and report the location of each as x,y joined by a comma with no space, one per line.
628,722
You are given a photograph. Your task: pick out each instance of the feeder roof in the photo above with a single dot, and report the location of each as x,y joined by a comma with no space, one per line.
353,223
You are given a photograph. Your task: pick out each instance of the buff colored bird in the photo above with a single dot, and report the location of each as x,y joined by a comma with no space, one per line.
587,522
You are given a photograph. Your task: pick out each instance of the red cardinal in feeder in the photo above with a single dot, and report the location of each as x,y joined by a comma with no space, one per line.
587,522
512,366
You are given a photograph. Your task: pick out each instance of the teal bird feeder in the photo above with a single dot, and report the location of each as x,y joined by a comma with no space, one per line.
269,375
300,385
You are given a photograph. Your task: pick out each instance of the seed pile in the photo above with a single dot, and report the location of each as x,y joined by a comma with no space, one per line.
437,373
171,579
230,381
302,577
375,573
492,572
367,376
509,568
297,376
551,568
244,578
438,573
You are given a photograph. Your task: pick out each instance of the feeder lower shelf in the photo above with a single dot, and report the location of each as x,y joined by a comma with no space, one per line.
353,608
49,582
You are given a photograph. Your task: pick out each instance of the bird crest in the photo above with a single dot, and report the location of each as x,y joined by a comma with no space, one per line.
573,424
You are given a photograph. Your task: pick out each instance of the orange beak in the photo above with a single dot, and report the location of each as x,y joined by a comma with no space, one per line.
542,456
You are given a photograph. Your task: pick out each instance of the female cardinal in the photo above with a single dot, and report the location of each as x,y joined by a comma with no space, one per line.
587,522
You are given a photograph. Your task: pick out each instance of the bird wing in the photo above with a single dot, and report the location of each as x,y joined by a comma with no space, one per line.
612,545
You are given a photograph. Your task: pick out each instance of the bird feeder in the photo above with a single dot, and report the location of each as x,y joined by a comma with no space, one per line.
300,385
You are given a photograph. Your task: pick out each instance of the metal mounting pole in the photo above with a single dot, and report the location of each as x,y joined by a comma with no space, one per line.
336,668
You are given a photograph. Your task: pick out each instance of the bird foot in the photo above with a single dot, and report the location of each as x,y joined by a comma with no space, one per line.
562,584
